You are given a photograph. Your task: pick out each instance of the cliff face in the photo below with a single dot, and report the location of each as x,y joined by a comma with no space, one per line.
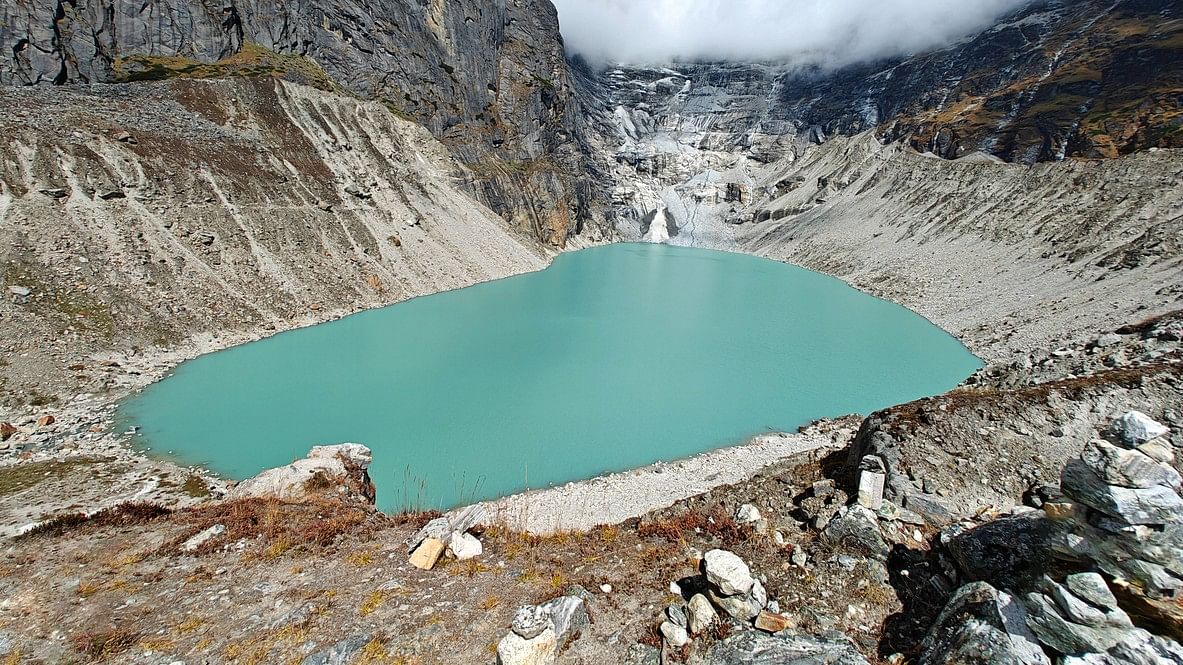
1059,78
487,78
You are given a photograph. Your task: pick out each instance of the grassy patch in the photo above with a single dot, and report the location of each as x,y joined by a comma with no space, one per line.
102,645
253,60
20,477
196,487
63,304
125,514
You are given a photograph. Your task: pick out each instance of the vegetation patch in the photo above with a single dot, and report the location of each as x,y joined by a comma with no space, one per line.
20,477
254,60
123,515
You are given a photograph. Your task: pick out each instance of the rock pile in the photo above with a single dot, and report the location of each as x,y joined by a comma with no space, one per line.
447,534
1119,517
539,632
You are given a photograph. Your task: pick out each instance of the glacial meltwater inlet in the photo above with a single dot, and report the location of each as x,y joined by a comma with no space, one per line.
612,358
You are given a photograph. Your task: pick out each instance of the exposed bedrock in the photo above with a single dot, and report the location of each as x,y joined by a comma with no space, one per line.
487,79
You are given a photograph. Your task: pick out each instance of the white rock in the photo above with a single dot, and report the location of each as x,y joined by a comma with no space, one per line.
465,546
606,588
289,482
728,573
517,650
748,514
675,635
202,538
870,489
701,613
1136,427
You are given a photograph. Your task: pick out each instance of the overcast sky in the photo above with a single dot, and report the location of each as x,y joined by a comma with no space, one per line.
825,32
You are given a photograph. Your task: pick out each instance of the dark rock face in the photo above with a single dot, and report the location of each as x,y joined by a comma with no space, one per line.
1009,553
1058,78
488,79
982,625
754,648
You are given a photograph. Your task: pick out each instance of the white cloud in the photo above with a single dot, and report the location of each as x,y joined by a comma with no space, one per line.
823,32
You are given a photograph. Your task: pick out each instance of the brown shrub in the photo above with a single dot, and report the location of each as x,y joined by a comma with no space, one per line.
281,526
101,645
122,515
717,523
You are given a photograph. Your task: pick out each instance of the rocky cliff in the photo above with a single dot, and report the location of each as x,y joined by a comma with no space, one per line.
488,79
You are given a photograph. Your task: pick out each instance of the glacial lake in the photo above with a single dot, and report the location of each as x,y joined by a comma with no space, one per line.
612,358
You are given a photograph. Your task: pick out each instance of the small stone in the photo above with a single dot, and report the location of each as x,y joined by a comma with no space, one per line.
701,614
340,653
427,554
1136,427
20,291
513,649
7,431
773,623
748,514
1107,340
856,528
677,615
46,420
568,616
799,558
55,192
531,621
727,573
202,538
606,588
126,137
675,635
465,546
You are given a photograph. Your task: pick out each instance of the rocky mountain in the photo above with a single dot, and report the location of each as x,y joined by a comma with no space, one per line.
488,79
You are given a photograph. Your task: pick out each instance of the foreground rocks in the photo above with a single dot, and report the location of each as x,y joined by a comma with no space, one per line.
541,631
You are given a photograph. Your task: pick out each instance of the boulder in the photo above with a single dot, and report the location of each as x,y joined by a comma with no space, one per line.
513,649
345,465
531,621
1008,553
1152,505
1159,450
757,648
1065,636
700,614
981,625
1138,648
856,528
1136,427
744,606
7,431
1124,467
674,635
442,528
727,573
568,615
192,544
934,511
465,546
677,615
748,514
46,420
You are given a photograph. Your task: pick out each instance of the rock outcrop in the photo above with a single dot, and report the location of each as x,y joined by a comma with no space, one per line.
489,80
339,472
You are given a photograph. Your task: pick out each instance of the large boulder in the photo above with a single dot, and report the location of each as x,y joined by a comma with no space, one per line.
1009,553
1078,617
981,625
727,573
1152,505
757,648
340,471
1124,467
1136,427
857,529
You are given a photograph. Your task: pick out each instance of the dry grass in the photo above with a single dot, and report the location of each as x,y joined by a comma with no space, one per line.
282,527
101,645
123,515
691,525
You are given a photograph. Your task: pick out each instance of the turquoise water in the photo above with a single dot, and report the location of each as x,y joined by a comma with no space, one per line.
610,359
